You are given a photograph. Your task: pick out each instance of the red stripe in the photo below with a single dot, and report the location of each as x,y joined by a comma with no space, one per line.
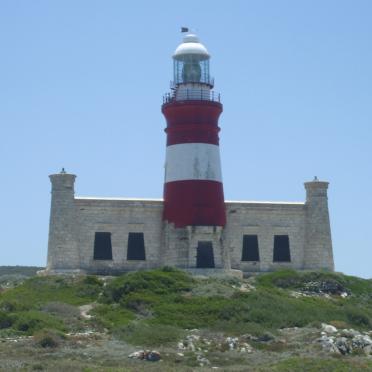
192,122
194,203
192,133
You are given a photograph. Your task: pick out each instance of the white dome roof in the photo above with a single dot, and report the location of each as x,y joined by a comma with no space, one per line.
191,45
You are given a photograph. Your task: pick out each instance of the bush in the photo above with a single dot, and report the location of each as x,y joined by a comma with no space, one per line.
6,320
38,291
48,338
92,280
11,305
61,309
358,317
112,316
157,282
317,281
149,334
32,321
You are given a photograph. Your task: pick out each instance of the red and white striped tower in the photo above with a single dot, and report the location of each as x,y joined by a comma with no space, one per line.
193,190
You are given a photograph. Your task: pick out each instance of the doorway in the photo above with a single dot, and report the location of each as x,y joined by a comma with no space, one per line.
204,256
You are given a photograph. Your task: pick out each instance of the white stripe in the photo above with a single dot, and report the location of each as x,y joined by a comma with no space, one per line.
193,161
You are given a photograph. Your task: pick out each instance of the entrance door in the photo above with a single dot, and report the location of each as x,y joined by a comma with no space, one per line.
204,256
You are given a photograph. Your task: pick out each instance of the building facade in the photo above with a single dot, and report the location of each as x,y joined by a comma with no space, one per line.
192,227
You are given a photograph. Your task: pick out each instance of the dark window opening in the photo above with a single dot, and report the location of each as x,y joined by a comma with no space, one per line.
204,256
136,247
250,248
281,248
102,246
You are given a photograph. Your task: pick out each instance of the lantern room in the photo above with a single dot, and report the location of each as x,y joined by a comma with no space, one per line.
191,62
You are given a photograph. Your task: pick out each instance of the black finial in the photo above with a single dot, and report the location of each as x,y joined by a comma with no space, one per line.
316,178
63,171
184,29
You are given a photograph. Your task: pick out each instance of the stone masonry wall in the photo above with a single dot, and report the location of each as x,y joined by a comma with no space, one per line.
265,220
75,220
119,217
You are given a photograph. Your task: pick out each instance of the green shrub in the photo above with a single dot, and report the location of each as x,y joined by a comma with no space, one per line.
112,316
61,309
158,282
38,291
300,364
32,321
317,281
139,333
48,338
6,321
11,306
92,280
358,317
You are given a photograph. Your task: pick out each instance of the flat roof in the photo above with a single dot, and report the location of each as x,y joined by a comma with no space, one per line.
114,198
160,200
262,202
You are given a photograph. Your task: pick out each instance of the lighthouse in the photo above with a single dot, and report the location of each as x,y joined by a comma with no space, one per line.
193,189
192,228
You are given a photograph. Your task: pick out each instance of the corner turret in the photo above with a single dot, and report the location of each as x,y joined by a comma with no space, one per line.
318,252
63,254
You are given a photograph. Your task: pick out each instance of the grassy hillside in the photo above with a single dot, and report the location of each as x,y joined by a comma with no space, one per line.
19,270
277,315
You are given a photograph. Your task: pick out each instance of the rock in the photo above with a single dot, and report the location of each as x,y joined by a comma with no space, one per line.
328,328
232,342
137,354
328,344
245,348
192,337
367,349
153,356
181,354
266,337
360,341
325,287
190,346
202,360
181,346
342,345
350,333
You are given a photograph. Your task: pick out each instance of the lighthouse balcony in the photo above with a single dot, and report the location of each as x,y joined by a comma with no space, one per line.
192,93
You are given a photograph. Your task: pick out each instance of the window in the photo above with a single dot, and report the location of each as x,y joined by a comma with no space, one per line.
281,249
136,247
102,246
204,255
250,248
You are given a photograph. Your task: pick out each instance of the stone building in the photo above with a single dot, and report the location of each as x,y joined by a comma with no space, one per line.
193,227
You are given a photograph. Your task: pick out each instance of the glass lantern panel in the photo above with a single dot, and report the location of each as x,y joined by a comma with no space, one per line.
191,70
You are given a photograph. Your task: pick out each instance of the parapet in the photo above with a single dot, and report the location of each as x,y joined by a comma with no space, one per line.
62,181
316,188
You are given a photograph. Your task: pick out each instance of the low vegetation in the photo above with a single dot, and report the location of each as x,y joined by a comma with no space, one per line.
158,308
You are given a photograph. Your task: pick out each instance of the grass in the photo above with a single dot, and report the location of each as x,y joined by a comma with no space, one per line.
145,334
112,316
298,364
38,291
291,279
268,307
46,302
158,308
169,301
19,270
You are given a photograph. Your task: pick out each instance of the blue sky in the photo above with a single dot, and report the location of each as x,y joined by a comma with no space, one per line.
81,85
